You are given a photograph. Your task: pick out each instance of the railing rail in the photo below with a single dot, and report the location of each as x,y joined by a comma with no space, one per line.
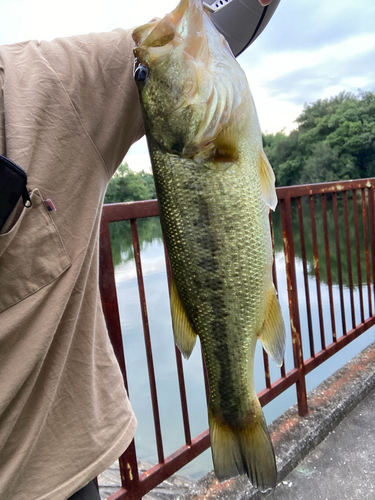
345,200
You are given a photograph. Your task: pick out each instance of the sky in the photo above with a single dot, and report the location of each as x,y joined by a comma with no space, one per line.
310,49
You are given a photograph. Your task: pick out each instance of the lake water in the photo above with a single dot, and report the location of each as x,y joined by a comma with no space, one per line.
157,298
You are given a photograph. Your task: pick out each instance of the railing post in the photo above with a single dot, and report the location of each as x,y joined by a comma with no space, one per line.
286,217
128,461
371,195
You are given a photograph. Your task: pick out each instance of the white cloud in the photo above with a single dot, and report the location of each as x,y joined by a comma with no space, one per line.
341,51
43,19
276,109
138,158
138,162
153,262
282,63
274,113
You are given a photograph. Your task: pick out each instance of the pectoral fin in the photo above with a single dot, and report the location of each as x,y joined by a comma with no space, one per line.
272,334
184,335
267,180
226,144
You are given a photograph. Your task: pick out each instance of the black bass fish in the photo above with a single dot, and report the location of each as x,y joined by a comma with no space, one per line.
214,185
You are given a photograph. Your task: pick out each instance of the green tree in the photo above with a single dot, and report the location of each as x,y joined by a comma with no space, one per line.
334,140
321,165
127,185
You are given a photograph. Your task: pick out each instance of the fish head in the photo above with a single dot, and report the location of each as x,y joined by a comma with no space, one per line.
191,88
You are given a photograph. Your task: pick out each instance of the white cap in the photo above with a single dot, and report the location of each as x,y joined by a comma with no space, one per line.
241,21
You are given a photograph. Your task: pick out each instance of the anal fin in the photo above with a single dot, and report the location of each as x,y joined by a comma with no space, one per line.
272,334
184,335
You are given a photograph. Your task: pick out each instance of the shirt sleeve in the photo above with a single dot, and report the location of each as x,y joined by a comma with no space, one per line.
96,71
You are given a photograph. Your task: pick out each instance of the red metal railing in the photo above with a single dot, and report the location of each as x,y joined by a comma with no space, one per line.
338,205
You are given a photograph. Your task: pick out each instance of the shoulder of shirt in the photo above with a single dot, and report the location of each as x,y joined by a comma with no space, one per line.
118,32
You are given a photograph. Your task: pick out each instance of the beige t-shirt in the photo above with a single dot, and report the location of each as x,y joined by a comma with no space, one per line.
69,111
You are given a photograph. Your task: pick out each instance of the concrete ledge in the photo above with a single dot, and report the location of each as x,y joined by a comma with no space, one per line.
110,481
294,437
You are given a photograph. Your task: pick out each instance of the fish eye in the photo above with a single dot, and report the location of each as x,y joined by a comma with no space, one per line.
141,74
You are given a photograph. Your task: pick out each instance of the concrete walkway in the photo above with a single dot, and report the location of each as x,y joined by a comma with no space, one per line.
175,486
328,454
342,466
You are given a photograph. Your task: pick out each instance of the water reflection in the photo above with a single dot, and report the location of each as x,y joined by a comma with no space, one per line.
149,231
342,235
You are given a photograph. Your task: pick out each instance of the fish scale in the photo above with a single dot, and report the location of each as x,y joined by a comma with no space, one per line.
213,184
230,213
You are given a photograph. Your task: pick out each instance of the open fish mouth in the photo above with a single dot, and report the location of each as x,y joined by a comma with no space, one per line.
154,39
204,87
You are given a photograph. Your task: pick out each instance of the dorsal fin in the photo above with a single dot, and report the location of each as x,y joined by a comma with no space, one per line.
267,180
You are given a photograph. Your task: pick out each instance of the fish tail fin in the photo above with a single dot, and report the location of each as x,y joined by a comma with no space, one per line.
244,450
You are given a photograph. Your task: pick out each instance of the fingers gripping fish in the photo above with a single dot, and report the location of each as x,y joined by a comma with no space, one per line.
214,186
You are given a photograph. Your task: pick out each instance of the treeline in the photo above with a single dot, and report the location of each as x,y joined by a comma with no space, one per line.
334,140
127,185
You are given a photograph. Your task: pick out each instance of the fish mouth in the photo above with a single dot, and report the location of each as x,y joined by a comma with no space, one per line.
210,83
157,38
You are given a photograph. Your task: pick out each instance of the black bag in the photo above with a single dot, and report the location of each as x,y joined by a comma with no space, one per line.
13,180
